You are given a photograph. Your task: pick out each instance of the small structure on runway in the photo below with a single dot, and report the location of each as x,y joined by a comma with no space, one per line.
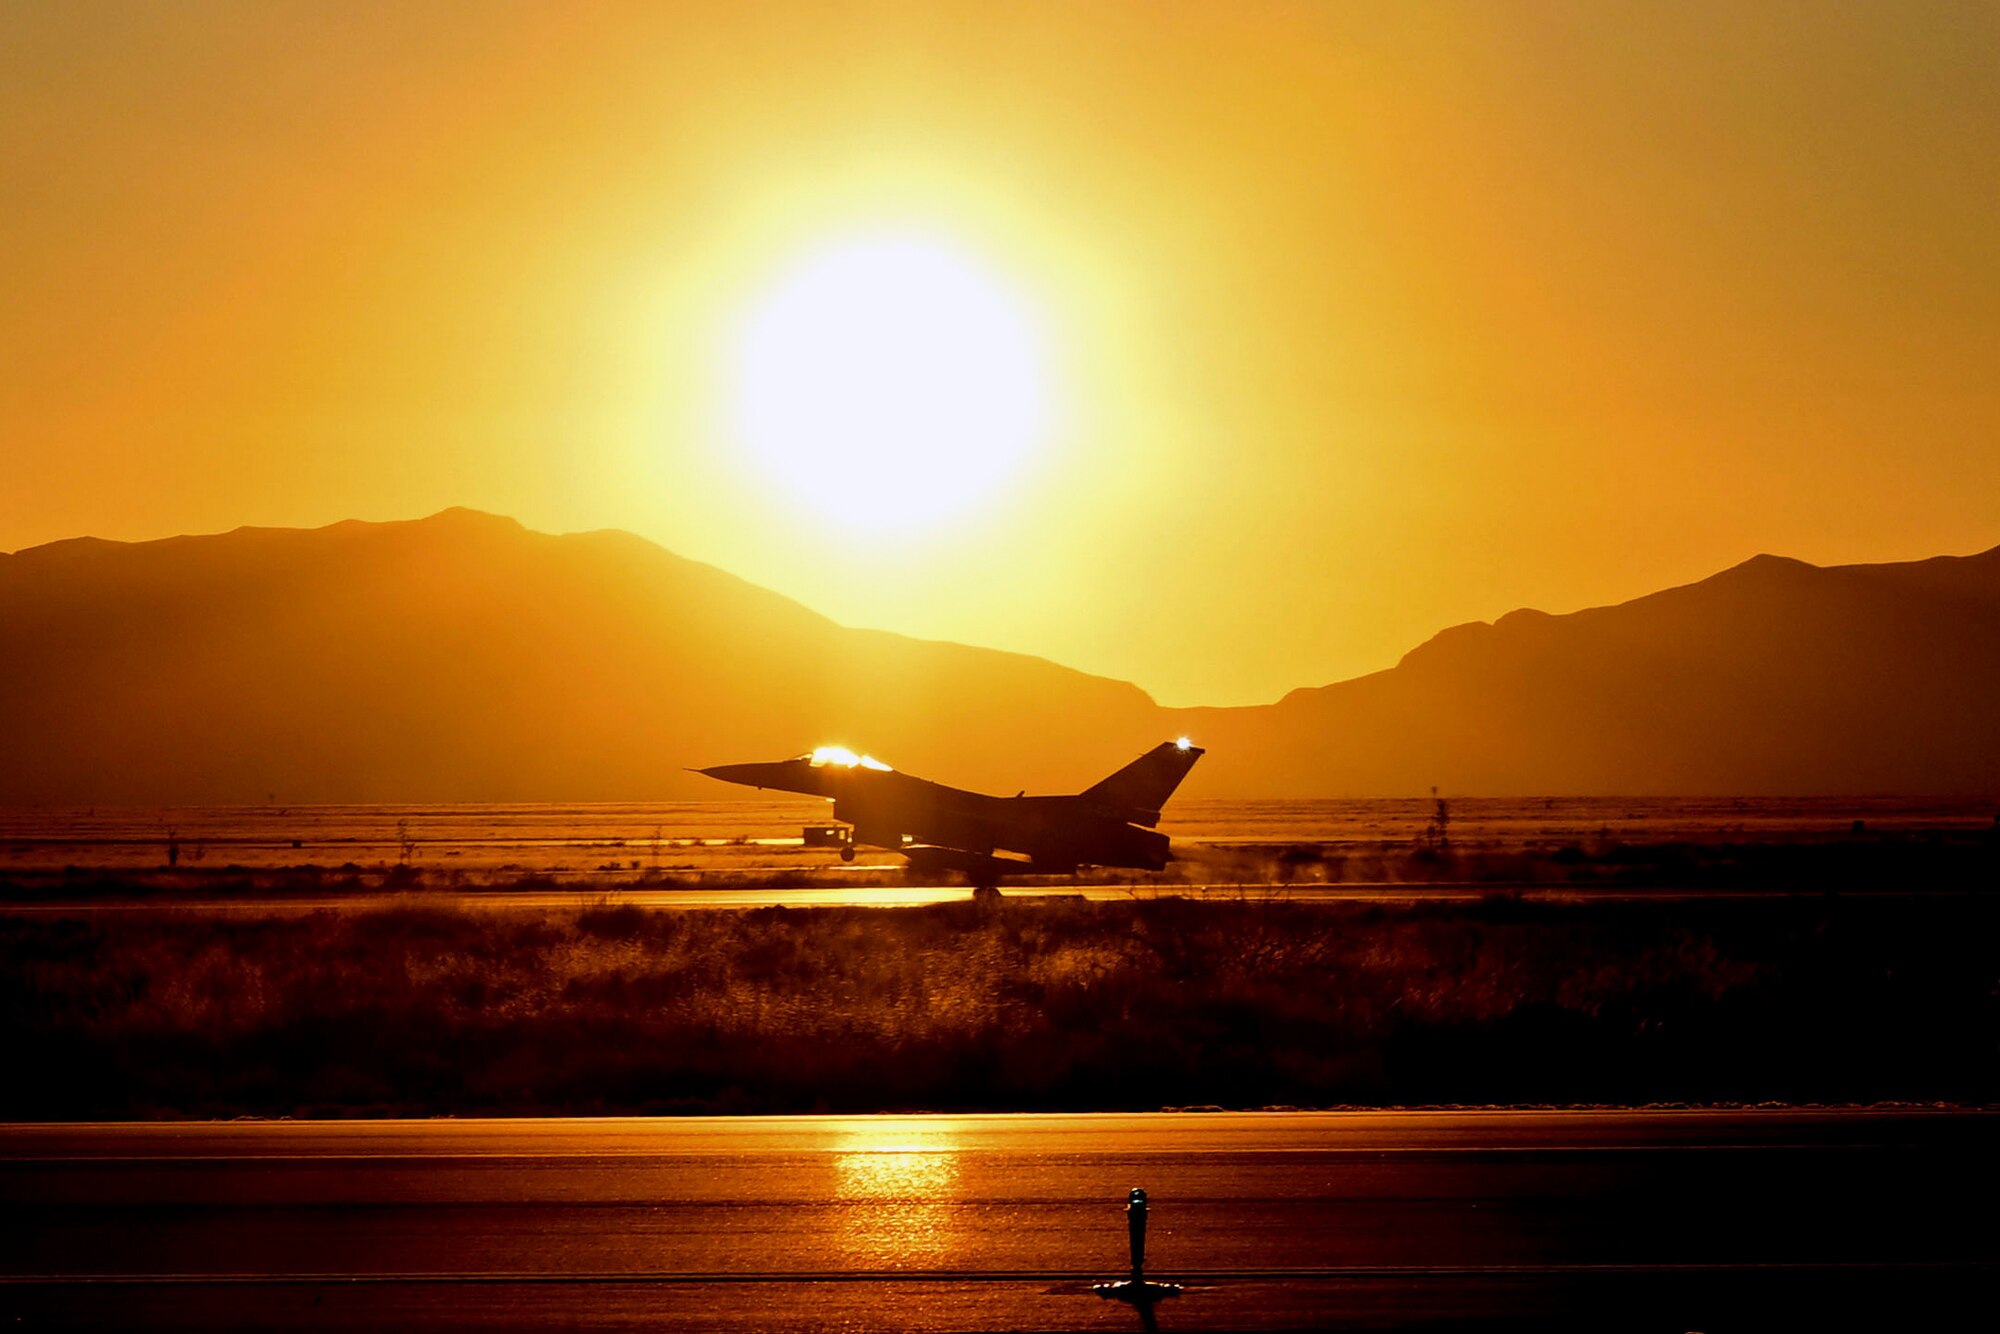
1137,1290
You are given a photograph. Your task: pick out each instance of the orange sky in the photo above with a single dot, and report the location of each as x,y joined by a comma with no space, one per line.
1362,320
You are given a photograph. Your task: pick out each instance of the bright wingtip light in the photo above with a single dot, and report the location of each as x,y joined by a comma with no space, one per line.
1182,743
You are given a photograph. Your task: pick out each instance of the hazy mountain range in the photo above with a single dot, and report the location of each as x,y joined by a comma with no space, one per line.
463,657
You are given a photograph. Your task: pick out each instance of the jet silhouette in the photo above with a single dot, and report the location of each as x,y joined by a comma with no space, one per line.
941,828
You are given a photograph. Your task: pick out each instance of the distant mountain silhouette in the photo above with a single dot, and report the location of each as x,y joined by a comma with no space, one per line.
465,658
1773,677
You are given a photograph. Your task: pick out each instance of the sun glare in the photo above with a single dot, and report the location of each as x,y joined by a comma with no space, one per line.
842,757
889,382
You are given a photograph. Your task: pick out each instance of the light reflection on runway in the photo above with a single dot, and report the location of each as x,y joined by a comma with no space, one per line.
902,1171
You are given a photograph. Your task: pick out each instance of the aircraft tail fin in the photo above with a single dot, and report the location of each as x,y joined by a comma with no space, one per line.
1138,791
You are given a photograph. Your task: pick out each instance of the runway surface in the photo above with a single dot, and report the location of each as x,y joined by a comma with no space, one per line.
912,896
603,838
1657,1220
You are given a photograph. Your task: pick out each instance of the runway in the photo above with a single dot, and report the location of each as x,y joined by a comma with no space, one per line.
916,896
1671,1220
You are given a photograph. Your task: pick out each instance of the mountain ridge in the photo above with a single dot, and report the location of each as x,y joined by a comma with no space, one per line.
1780,677
464,656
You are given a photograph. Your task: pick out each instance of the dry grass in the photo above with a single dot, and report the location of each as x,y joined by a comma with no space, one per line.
1020,1004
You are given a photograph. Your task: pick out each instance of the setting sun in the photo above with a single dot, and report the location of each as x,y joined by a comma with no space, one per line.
888,382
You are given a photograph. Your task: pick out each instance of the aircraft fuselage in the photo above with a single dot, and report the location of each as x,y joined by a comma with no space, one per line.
893,810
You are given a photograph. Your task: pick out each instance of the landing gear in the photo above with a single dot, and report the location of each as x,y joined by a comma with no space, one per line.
847,852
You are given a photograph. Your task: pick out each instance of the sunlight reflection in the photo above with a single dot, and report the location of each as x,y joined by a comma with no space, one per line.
899,1177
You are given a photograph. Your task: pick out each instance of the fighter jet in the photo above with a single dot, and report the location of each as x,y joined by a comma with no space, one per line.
941,828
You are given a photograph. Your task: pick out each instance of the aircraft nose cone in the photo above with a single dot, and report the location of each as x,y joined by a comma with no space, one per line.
736,773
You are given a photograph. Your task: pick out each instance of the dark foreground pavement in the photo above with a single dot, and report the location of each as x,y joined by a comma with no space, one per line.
1666,1221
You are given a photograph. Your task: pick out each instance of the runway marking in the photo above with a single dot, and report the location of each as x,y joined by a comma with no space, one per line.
1330,1274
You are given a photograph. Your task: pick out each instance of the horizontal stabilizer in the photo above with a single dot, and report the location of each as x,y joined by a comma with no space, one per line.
1138,791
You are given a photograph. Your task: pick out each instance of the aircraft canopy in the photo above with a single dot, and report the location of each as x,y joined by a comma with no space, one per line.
842,757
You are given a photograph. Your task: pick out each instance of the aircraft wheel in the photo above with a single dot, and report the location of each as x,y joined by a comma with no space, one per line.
847,852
